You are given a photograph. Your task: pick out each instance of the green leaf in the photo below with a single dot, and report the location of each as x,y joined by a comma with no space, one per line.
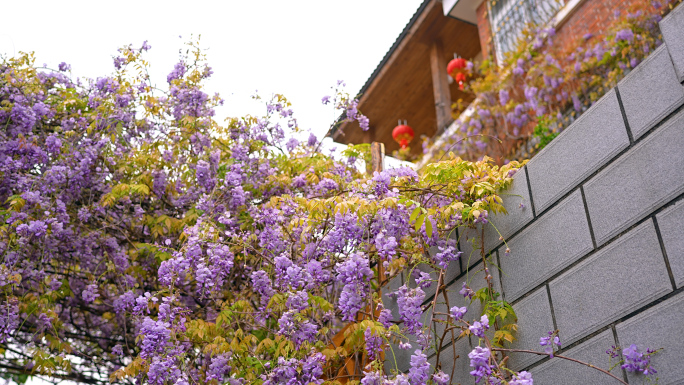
414,214
419,222
428,228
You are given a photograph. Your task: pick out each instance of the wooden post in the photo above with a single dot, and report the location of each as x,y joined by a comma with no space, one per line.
378,156
440,86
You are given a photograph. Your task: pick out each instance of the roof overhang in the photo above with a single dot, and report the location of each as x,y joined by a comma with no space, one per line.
402,85
465,10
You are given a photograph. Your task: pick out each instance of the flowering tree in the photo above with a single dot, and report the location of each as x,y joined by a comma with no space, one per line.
144,242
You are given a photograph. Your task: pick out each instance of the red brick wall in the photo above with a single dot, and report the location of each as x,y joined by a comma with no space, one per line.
484,29
591,16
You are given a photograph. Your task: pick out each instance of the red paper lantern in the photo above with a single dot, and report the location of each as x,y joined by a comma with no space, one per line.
456,69
460,78
403,135
456,66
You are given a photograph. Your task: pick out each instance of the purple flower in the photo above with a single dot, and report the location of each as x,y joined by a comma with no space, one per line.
624,35
382,181
446,255
419,373
409,302
325,100
478,327
155,337
458,312
522,378
298,301
440,378
372,378
219,367
291,144
312,140
9,318
479,360
552,343
296,329
373,343
90,293
576,103
385,318
503,97
355,274
423,280
177,73
466,291
118,350
636,362
64,67
364,123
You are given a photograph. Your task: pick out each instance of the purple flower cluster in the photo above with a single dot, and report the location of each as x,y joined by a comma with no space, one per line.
522,378
409,302
637,362
297,372
373,343
480,362
458,312
419,373
355,274
552,343
479,327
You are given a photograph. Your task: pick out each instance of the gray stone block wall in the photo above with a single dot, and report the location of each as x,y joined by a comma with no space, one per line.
661,326
563,372
650,92
613,282
601,256
596,137
533,311
672,28
553,242
643,179
671,225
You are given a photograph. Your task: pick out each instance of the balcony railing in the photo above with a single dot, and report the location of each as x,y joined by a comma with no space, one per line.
509,18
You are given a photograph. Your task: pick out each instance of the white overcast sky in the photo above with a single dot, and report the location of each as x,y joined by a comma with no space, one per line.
298,48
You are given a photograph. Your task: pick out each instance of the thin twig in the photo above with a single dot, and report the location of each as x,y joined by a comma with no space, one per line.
563,357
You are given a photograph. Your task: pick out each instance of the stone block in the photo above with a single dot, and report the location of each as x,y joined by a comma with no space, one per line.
534,320
589,143
506,224
619,279
389,301
672,28
454,361
474,279
643,179
553,242
558,371
658,327
671,224
650,92
402,357
434,275
517,216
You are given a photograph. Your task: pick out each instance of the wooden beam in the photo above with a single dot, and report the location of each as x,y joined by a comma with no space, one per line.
378,156
398,50
440,85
